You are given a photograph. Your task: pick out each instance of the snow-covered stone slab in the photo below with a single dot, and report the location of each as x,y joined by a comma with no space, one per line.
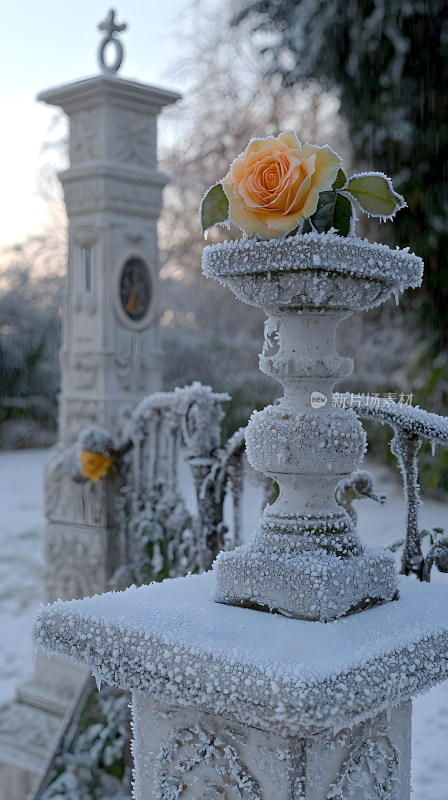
171,642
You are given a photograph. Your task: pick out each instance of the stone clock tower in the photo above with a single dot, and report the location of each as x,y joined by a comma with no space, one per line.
110,359
113,194
110,354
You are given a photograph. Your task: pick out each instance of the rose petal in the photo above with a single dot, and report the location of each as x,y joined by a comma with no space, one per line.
289,138
326,165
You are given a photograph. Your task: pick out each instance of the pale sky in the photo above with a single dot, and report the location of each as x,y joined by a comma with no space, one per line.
45,43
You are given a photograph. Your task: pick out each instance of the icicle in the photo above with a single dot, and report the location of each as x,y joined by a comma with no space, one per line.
433,447
98,681
396,294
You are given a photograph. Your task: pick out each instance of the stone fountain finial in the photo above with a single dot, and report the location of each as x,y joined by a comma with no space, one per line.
110,27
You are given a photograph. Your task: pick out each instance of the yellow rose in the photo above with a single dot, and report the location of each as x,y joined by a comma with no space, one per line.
94,465
275,184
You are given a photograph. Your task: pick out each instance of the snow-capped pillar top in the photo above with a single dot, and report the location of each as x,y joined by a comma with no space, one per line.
171,642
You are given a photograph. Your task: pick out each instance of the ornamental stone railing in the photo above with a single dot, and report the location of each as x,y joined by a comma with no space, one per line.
411,426
232,702
159,536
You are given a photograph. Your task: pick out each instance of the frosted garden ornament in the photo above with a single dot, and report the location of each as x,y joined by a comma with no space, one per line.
91,457
301,262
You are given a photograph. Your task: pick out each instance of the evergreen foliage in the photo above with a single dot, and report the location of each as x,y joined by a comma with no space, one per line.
95,764
29,345
388,61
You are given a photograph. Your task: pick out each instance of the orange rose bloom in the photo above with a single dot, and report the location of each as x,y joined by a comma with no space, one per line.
275,184
94,465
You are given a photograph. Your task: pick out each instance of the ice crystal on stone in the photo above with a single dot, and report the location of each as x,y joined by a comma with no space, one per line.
293,677
410,426
352,273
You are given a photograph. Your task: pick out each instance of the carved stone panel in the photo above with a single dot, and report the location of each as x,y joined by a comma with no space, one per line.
371,761
82,195
134,360
84,370
76,561
77,413
132,138
32,727
188,754
127,195
185,754
85,139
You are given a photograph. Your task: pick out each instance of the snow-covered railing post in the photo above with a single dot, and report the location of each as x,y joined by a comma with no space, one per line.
405,447
152,507
410,425
202,414
228,700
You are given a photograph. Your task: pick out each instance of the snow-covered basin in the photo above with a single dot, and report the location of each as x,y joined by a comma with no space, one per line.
21,590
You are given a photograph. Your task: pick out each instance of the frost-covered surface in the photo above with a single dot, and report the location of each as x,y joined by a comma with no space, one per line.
273,573
295,677
410,426
279,440
159,536
412,419
199,408
316,275
322,270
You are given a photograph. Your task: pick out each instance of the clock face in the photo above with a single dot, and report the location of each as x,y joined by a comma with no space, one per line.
135,289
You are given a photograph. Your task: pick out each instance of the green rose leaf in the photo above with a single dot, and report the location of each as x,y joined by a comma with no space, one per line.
375,194
322,219
306,227
342,215
333,211
340,180
214,207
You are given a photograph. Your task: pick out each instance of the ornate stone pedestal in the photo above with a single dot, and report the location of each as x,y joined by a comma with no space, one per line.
229,702
305,559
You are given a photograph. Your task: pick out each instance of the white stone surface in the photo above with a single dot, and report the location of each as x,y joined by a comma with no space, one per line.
110,355
23,579
295,678
185,754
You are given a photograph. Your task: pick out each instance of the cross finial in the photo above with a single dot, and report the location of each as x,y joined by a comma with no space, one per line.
110,27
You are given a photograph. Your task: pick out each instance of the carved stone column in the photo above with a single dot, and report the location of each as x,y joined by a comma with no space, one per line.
110,354
305,558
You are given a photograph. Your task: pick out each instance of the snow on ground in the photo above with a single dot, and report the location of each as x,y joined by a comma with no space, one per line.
21,589
21,561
